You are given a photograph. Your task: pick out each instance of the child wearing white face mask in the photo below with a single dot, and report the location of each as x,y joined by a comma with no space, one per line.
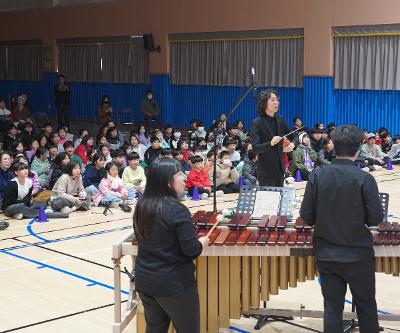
227,176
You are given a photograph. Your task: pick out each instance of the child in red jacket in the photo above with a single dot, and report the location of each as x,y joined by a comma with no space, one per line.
198,177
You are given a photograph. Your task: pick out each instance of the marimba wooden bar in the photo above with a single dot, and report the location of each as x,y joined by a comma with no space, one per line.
244,266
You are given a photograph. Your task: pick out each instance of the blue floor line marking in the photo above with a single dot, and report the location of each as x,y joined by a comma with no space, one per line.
350,302
29,228
69,238
93,282
237,329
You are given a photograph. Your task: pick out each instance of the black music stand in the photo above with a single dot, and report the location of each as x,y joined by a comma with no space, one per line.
247,198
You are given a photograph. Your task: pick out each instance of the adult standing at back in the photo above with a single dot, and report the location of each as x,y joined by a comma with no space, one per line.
342,202
61,94
150,111
266,134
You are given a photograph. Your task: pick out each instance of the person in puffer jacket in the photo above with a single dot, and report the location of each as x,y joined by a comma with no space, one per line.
249,171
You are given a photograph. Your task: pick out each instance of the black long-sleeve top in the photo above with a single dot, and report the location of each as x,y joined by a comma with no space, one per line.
325,157
56,173
164,265
151,154
11,196
342,202
270,159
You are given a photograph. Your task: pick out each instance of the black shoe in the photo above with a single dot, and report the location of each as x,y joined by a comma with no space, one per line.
4,225
125,208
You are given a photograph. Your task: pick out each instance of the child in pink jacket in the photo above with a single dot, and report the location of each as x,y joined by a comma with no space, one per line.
111,187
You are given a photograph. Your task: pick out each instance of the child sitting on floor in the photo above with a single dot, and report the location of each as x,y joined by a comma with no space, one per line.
198,177
133,175
17,201
33,146
250,168
41,165
111,188
304,157
68,193
227,176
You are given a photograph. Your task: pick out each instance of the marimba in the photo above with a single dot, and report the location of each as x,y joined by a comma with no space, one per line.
249,260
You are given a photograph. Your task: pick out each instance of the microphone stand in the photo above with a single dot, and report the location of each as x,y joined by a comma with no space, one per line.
217,130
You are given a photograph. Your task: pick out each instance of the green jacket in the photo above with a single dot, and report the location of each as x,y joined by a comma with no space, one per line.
42,168
298,159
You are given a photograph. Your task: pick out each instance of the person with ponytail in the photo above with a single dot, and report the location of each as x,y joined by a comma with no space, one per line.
167,246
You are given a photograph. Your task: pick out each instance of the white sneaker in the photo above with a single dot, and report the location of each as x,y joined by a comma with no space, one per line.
204,196
49,211
366,169
65,210
289,180
377,167
18,216
219,193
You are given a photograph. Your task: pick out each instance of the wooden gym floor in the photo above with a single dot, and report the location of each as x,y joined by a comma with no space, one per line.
57,276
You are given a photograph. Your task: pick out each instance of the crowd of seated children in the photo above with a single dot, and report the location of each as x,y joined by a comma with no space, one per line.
70,175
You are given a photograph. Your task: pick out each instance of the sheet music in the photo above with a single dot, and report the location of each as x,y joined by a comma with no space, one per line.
266,203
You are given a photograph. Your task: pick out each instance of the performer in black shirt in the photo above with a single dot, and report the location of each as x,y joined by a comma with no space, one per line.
266,134
342,201
167,247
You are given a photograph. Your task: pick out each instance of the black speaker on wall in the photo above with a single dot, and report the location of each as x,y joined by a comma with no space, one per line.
149,43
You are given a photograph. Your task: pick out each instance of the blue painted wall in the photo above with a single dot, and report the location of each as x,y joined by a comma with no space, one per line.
316,102
207,103
369,109
85,97
319,103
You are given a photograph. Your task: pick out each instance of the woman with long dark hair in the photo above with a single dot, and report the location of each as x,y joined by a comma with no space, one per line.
57,169
267,133
164,273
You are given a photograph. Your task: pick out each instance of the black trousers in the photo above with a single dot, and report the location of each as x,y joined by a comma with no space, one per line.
183,310
62,115
229,188
360,276
276,181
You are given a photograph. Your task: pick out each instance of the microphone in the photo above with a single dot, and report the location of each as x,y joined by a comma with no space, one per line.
254,82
